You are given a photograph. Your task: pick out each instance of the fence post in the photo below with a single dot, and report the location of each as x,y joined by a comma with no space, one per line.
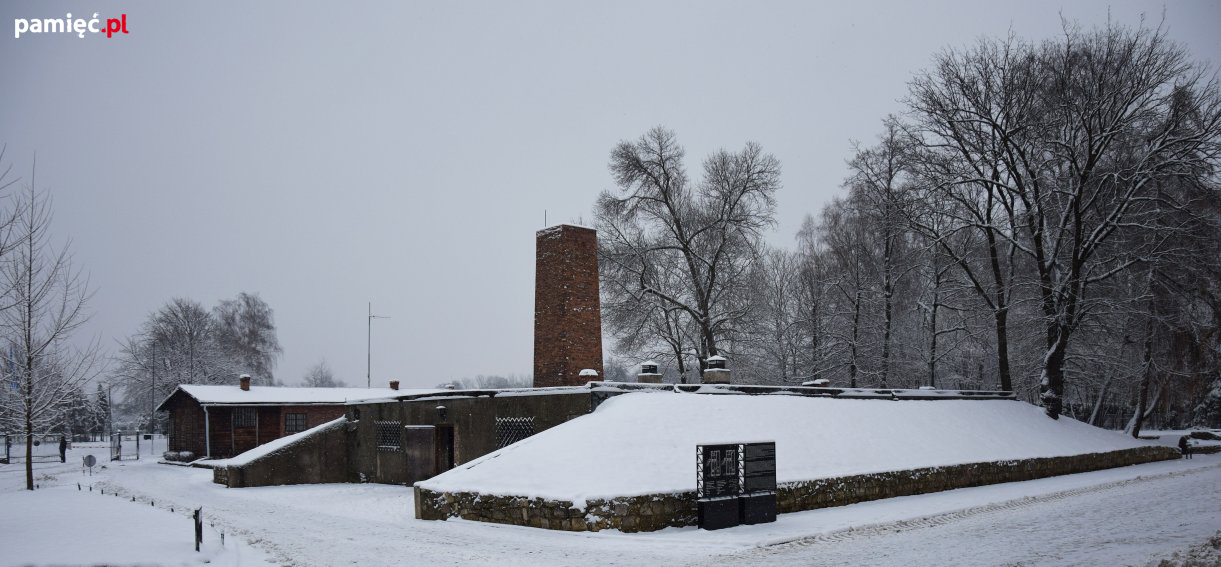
198,527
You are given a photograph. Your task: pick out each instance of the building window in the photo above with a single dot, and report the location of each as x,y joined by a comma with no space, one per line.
294,423
245,417
389,435
510,430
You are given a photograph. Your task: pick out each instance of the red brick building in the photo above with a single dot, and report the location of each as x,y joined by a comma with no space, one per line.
222,421
567,309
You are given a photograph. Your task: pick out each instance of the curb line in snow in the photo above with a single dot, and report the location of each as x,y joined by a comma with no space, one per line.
943,518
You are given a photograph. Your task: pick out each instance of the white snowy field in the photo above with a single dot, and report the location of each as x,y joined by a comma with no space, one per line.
652,448
1125,516
63,524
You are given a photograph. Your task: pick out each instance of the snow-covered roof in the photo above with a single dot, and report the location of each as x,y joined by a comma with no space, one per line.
815,438
273,395
715,357
588,372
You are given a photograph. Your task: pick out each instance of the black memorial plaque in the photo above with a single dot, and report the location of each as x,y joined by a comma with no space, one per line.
758,467
718,483
736,484
718,471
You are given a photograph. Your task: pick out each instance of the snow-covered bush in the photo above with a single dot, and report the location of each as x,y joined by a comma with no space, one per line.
179,456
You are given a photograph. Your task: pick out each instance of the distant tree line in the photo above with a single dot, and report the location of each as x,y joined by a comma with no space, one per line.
1042,218
489,382
182,342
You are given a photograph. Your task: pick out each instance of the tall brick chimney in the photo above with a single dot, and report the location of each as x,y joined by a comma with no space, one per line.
245,382
567,309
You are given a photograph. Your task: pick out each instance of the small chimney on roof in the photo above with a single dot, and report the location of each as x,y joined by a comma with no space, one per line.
394,384
717,371
648,373
245,380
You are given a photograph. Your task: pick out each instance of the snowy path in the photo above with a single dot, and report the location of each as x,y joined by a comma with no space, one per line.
1118,516
370,524
1117,523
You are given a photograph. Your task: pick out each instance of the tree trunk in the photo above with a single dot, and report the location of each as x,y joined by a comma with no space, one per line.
856,326
1102,395
1001,317
1051,386
1142,400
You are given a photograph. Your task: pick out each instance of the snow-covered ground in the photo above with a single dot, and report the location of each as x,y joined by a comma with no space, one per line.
642,443
1125,516
62,523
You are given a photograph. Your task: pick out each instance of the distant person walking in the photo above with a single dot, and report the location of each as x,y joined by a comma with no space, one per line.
1185,447
63,449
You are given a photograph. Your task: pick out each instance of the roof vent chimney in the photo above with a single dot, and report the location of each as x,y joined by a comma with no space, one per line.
394,384
717,371
648,373
245,378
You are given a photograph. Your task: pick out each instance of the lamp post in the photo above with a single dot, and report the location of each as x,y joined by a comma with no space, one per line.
369,347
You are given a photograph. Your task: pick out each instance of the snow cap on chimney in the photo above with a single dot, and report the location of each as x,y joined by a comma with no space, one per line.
245,379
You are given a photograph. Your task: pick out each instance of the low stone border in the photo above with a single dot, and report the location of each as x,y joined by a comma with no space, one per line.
656,511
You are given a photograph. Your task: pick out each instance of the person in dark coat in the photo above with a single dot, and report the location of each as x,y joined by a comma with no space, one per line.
63,449
1185,447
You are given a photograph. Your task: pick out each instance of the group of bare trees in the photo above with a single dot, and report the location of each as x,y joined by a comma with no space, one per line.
1042,218
43,299
183,342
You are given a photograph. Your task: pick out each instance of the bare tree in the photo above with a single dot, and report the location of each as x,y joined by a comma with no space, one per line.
48,298
177,344
658,228
245,327
320,375
877,178
853,265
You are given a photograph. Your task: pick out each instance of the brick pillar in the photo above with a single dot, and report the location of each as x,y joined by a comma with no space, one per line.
567,309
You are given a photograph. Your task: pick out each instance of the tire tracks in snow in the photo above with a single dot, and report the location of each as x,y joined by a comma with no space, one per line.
934,520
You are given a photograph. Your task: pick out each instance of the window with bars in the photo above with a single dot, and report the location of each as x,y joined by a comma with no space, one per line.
245,417
389,435
510,430
294,423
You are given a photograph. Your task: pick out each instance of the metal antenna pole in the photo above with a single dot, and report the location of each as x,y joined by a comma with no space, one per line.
369,347
369,350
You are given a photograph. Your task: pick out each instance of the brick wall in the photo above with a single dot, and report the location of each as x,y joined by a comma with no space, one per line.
656,511
567,309
186,426
314,416
188,423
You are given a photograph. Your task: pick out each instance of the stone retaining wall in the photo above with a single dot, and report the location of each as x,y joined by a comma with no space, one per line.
657,511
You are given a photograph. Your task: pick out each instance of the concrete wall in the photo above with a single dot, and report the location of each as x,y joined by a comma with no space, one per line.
320,457
657,511
472,417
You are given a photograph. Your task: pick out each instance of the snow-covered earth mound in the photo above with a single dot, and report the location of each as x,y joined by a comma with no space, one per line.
644,443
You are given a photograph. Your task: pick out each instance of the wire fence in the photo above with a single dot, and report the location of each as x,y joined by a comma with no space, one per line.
43,448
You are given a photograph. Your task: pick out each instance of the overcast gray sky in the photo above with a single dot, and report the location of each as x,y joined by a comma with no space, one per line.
326,155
